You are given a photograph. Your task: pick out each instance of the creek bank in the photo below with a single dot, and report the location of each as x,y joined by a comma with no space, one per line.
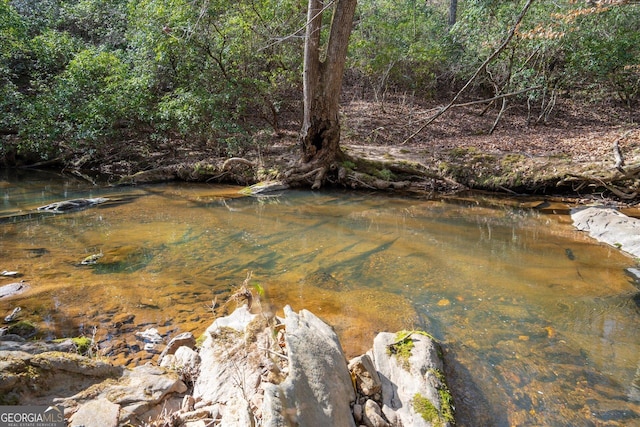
253,368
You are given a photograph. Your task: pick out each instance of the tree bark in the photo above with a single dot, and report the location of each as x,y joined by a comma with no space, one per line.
322,79
453,11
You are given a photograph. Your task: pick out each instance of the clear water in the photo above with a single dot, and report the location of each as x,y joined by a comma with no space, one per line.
539,323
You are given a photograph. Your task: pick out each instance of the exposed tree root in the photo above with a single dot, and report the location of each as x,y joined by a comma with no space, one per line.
357,173
623,182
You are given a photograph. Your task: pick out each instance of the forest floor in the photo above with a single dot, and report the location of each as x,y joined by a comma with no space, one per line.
571,153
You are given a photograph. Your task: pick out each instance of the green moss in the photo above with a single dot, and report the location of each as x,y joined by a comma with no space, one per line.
430,413
348,164
83,344
204,168
426,409
200,340
402,348
446,399
23,328
385,174
461,152
446,402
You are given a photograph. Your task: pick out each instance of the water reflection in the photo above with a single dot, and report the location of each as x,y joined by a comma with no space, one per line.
538,322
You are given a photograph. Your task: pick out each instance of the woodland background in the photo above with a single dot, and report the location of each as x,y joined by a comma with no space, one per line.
77,76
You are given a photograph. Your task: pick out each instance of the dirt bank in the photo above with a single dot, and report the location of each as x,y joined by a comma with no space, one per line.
571,153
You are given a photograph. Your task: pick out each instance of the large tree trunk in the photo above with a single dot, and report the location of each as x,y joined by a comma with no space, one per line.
320,134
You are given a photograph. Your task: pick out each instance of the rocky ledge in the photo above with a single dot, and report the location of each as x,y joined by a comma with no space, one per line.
609,226
253,368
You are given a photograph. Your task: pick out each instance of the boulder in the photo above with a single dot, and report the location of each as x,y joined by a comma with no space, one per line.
372,416
609,226
228,374
318,389
185,339
366,376
140,394
96,413
413,388
242,370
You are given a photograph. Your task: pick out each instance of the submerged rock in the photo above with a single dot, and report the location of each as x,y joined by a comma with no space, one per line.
6,273
13,289
72,205
150,336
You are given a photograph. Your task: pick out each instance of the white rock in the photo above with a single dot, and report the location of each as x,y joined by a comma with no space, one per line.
373,415
150,335
228,376
184,339
237,320
188,358
96,413
609,226
401,384
318,390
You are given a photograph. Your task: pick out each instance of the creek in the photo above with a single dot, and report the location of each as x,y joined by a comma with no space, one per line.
538,322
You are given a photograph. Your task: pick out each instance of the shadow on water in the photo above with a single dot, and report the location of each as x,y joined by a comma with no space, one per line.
538,323
472,407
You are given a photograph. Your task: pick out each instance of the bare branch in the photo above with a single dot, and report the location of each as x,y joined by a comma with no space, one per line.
495,98
297,32
478,71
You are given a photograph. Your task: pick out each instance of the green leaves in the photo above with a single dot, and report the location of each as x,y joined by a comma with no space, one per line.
81,72
406,42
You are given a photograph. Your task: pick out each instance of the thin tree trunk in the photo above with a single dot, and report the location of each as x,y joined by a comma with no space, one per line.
311,69
453,11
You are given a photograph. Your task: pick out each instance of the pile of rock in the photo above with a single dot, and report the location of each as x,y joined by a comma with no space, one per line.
256,369
251,369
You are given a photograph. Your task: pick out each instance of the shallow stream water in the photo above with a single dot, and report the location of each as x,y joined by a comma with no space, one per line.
538,322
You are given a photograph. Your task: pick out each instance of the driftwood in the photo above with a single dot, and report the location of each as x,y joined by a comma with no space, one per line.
617,154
